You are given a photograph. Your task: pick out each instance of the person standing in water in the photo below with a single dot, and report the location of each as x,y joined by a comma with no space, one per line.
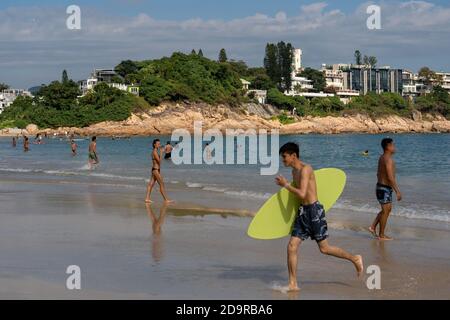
156,173
310,220
26,144
385,185
14,142
93,157
168,150
74,147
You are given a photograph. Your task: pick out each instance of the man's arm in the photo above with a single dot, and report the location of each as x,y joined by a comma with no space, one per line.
391,177
305,175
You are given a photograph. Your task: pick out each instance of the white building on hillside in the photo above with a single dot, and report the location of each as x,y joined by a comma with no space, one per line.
107,76
8,96
445,77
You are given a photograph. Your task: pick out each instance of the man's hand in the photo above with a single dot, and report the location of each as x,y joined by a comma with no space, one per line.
281,181
399,196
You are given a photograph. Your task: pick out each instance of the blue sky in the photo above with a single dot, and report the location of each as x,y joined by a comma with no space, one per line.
184,9
207,9
35,45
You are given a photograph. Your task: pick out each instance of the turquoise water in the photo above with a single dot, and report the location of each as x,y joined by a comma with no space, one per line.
423,166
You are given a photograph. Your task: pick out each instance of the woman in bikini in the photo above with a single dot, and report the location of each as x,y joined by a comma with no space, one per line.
156,173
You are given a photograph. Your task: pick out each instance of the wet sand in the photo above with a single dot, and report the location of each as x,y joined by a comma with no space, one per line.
126,250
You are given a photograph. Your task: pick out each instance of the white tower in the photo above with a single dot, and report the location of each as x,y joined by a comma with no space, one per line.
297,61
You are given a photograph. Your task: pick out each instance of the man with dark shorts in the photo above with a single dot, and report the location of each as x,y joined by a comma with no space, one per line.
93,157
310,221
385,186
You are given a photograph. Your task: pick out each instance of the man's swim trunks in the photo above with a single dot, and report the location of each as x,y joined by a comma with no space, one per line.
384,193
93,156
310,222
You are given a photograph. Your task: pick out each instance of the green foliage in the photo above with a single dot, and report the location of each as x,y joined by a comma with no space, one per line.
190,77
278,64
380,104
285,119
223,55
3,86
126,67
64,77
437,101
57,105
326,106
358,58
318,79
59,96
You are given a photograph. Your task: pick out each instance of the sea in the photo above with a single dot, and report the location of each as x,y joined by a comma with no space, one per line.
422,160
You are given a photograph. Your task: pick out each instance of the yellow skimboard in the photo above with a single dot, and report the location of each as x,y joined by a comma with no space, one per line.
275,218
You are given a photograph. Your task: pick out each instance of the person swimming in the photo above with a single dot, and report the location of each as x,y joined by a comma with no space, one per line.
365,153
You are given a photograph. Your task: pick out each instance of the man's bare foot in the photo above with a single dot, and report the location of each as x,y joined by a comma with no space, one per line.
385,238
359,265
373,232
169,201
291,288
148,201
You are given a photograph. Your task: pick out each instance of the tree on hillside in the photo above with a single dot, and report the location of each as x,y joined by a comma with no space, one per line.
64,77
278,64
239,66
358,57
373,61
200,53
285,60
271,63
3,86
370,61
223,55
193,51
126,67
317,78
59,95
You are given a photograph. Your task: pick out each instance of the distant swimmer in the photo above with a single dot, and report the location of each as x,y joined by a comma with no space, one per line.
156,172
74,147
385,185
93,157
310,220
26,144
14,142
365,153
168,150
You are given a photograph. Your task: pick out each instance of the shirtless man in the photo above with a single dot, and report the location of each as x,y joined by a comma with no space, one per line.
386,184
73,146
26,144
93,158
156,173
310,220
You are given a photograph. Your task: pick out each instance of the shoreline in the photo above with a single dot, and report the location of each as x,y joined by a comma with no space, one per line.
168,117
123,254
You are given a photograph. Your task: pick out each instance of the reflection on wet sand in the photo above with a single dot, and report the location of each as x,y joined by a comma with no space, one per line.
157,223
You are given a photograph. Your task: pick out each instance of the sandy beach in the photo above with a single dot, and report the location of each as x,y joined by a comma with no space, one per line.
198,254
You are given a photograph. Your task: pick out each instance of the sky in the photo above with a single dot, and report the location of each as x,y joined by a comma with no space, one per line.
36,45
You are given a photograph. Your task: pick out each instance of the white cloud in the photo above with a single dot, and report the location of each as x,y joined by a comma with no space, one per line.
414,33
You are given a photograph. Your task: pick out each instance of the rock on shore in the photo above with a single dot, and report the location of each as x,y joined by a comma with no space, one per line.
168,117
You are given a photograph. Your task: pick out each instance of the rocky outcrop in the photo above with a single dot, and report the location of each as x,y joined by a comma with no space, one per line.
168,117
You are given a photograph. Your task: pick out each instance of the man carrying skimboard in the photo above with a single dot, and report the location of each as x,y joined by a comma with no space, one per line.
310,220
